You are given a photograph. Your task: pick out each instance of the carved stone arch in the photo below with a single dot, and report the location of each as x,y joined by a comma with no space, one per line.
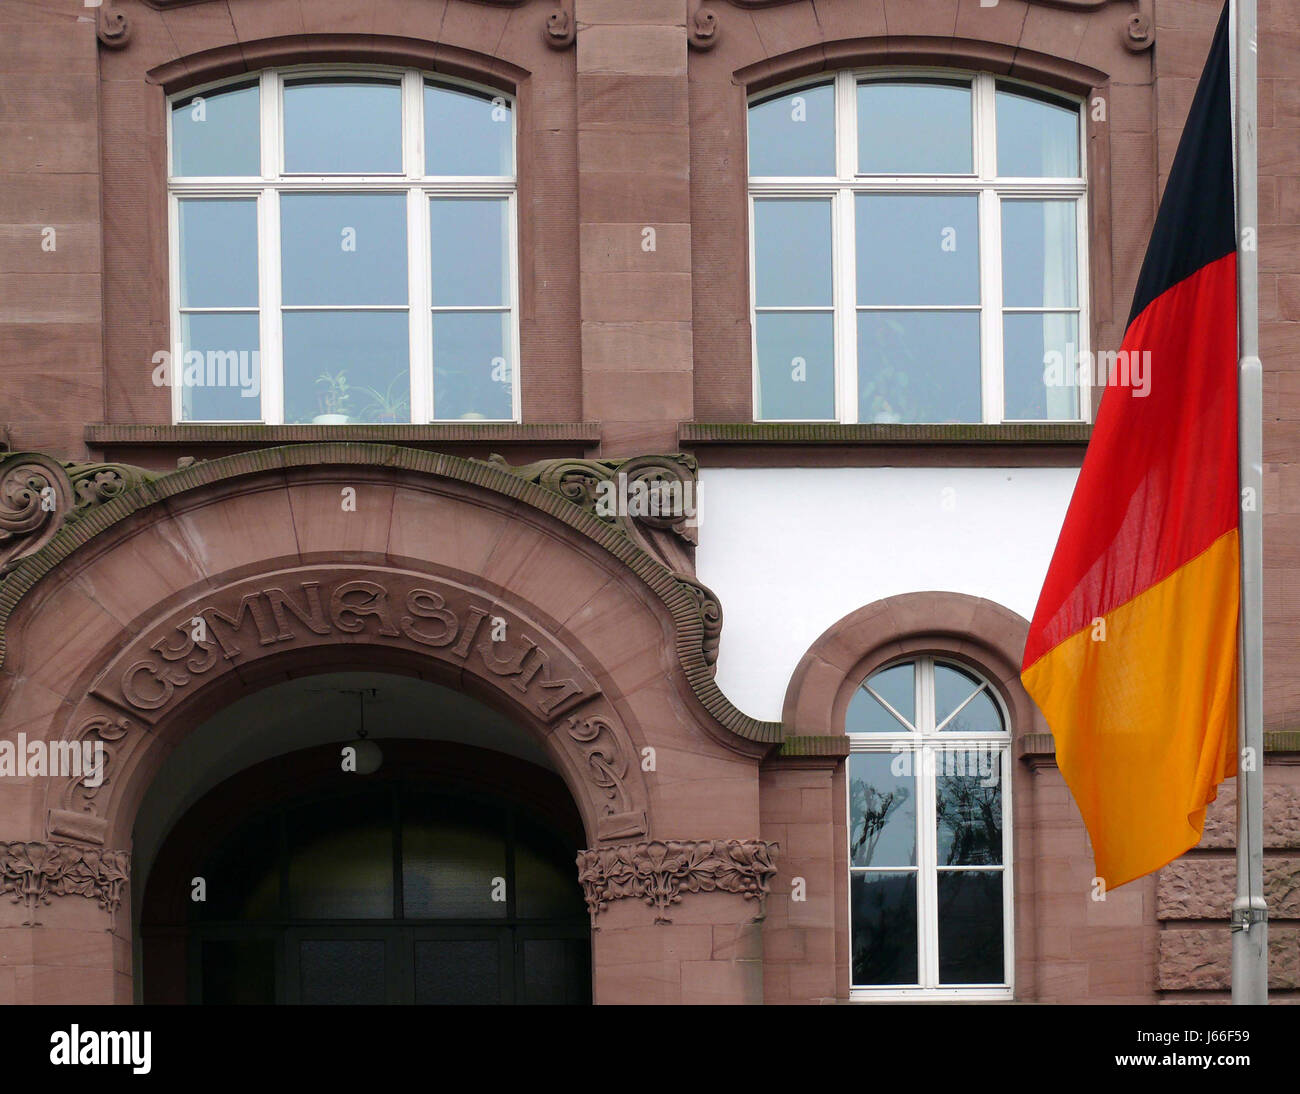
986,636
605,648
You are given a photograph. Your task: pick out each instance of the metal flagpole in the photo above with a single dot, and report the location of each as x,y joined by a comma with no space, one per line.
1249,912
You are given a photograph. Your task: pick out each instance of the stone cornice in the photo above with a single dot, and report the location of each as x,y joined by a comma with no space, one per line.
38,871
660,873
695,613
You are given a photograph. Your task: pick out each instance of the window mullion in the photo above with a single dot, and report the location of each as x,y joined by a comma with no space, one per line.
846,317
270,326
419,264
991,343
514,297
413,124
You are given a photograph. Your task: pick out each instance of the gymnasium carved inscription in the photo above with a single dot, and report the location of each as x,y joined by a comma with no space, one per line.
250,619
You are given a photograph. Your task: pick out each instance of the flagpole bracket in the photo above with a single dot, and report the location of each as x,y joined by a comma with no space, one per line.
1247,911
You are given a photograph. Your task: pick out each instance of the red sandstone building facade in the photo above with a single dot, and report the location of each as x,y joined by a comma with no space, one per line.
347,351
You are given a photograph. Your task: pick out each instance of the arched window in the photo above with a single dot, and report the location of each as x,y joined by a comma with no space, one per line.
929,845
918,251
343,250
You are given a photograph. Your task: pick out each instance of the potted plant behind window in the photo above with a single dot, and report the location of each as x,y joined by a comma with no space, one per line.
335,398
389,406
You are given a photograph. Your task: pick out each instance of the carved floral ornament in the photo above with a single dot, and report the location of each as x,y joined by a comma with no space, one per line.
37,871
660,873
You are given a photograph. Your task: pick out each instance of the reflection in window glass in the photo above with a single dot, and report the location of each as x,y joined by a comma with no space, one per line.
1038,136
884,928
914,127
919,366
896,686
927,839
971,947
217,133
794,133
466,132
342,126
882,812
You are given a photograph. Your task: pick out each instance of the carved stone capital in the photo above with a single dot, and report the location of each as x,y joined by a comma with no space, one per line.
659,873
38,871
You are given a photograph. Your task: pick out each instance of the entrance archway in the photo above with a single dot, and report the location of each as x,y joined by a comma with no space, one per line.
444,876
171,597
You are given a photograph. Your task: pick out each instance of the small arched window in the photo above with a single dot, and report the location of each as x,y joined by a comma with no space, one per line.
343,250
918,250
929,845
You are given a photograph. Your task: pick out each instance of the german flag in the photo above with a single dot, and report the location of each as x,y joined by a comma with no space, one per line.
1132,653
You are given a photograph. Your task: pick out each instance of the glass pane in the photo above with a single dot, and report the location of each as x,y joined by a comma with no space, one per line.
347,365
238,971
545,884
466,132
453,854
919,366
243,875
342,126
882,809
1041,365
796,365
914,127
343,248
557,971
1038,136
794,133
884,929
341,860
220,376
218,243
458,971
968,806
473,365
792,253
952,686
469,241
980,715
1040,265
918,249
347,971
217,133
970,927
897,687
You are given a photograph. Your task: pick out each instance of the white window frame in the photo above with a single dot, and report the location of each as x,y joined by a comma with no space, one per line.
927,926
982,181
412,181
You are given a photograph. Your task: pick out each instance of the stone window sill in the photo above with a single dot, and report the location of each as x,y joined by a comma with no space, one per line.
826,433
540,433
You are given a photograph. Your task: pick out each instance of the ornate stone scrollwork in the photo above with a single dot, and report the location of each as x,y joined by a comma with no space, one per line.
112,27
703,28
39,495
710,610
561,26
659,873
38,871
651,499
